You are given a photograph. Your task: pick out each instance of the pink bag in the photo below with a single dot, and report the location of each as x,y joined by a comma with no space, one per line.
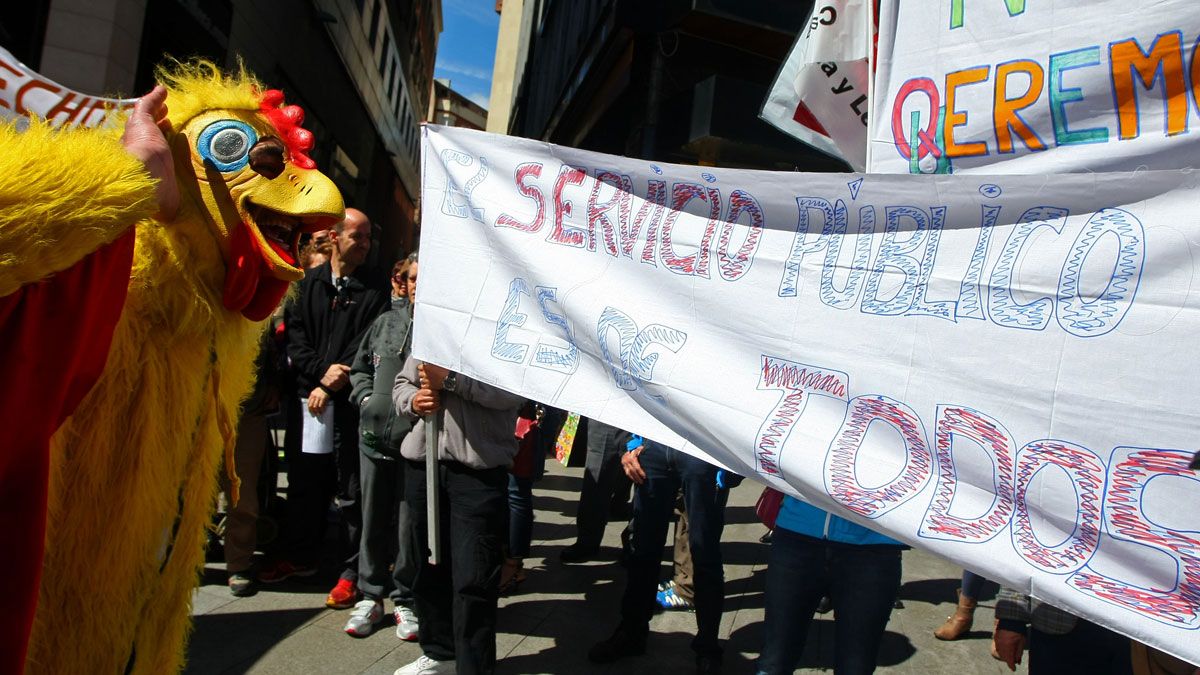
768,505
527,434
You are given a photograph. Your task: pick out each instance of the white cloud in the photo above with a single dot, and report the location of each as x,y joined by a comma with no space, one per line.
465,70
480,98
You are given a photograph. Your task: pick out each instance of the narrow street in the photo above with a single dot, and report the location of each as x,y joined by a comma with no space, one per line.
561,610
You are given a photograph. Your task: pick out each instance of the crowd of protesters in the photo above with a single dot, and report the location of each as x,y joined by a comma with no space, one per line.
336,367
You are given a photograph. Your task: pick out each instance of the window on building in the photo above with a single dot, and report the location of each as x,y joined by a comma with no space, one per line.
385,53
376,27
540,11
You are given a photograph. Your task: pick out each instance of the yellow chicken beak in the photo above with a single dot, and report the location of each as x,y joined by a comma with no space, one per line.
264,246
279,210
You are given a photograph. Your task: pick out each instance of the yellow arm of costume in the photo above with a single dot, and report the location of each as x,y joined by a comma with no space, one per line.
64,194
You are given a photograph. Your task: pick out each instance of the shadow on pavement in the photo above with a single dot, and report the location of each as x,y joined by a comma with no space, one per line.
561,483
218,637
665,653
938,591
894,648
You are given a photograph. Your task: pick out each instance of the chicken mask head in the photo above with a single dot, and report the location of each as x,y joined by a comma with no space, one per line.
241,155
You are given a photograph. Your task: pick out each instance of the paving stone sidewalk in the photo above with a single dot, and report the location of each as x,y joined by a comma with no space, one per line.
548,626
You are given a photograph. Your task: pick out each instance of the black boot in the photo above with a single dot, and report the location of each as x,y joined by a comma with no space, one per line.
708,664
577,553
623,642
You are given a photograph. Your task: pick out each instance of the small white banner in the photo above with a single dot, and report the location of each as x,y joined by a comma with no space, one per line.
1000,369
24,93
820,95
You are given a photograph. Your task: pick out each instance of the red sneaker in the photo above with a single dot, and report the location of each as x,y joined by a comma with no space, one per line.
283,569
343,596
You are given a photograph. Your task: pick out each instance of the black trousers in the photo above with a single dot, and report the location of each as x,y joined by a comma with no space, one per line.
456,599
1087,649
313,480
602,478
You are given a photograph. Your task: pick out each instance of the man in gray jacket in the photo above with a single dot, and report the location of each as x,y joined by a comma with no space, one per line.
456,599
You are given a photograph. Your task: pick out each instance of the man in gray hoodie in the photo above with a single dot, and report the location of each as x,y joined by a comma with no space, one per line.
456,599
386,521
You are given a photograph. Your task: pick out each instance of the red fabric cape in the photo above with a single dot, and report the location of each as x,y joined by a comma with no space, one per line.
54,341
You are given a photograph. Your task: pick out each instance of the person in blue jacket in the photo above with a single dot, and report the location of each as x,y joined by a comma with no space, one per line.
815,553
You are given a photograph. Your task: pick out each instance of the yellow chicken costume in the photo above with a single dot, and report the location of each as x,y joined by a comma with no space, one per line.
133,460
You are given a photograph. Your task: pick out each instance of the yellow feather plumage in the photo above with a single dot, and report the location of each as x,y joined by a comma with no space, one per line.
133,471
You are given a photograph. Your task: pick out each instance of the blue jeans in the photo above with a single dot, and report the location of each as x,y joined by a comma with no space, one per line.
972,584
520,490
862,582
667,470
520,516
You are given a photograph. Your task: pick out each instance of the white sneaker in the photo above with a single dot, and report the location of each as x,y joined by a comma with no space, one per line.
406,624
366,615
427,666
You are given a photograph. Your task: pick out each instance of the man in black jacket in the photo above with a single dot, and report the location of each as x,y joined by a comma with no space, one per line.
337,303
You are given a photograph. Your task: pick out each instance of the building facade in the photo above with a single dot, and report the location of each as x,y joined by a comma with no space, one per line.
452,109
671,80
512,54
361,69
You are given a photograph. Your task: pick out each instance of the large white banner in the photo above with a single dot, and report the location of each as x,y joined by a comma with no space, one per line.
1009,86
998,369
24,94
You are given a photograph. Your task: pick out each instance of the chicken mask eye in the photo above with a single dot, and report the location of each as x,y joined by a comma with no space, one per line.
226,144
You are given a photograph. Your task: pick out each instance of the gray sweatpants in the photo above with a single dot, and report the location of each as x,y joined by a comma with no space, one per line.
388,535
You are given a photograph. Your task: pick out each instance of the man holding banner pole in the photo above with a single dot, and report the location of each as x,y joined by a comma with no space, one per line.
463,489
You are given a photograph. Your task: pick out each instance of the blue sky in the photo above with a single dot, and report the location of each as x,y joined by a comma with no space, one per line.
467,47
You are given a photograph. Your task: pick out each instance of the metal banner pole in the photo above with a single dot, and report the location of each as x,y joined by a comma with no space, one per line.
433,512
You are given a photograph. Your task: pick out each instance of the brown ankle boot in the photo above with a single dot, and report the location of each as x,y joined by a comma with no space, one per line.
512,574
960,621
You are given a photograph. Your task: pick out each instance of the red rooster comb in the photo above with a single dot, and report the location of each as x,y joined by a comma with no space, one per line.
287,120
